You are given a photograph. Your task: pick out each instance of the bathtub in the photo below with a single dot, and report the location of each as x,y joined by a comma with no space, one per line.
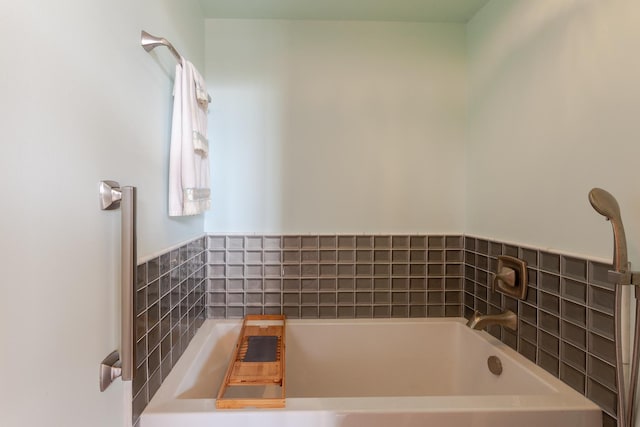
374,373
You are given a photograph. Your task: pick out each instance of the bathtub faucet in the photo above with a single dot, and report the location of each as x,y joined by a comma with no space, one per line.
507,319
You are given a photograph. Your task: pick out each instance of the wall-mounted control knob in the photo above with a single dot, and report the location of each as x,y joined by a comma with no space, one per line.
511,277
507,275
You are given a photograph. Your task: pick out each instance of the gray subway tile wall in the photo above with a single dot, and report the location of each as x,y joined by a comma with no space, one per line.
335,276
566,323
169,307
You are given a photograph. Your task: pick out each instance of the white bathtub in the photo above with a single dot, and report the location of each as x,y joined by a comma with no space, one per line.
374,373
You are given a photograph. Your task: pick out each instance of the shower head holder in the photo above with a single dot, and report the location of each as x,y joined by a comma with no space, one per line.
606,205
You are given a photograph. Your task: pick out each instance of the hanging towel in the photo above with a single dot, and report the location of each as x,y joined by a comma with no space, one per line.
189,192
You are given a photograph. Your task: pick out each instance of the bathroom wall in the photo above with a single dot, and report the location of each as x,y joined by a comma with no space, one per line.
553,112
336,127
81,102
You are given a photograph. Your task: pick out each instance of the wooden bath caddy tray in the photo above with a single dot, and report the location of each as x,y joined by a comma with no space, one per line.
258,361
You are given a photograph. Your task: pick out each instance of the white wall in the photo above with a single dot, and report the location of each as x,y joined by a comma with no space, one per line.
554,111
336,126
81,101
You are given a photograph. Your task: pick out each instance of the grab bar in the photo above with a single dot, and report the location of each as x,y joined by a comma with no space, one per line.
112,196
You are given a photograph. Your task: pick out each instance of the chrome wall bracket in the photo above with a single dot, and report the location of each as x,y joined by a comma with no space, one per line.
110,369
110,195
625,277
121,363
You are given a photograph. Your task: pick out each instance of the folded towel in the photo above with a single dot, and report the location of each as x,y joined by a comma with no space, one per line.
189,192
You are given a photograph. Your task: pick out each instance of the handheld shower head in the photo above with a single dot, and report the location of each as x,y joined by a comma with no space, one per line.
605,204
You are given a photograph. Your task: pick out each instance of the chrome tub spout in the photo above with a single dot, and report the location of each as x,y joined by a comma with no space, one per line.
508,319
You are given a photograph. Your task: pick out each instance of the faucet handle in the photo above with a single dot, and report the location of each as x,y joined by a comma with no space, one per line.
511,277
507,275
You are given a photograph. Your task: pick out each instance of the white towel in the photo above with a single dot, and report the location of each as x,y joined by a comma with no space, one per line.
189,192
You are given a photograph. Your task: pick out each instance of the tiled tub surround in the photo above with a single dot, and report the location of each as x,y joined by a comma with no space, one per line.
335,276
169,308
566,324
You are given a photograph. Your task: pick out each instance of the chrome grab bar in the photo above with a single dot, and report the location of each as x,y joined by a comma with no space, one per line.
112,196
129,258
